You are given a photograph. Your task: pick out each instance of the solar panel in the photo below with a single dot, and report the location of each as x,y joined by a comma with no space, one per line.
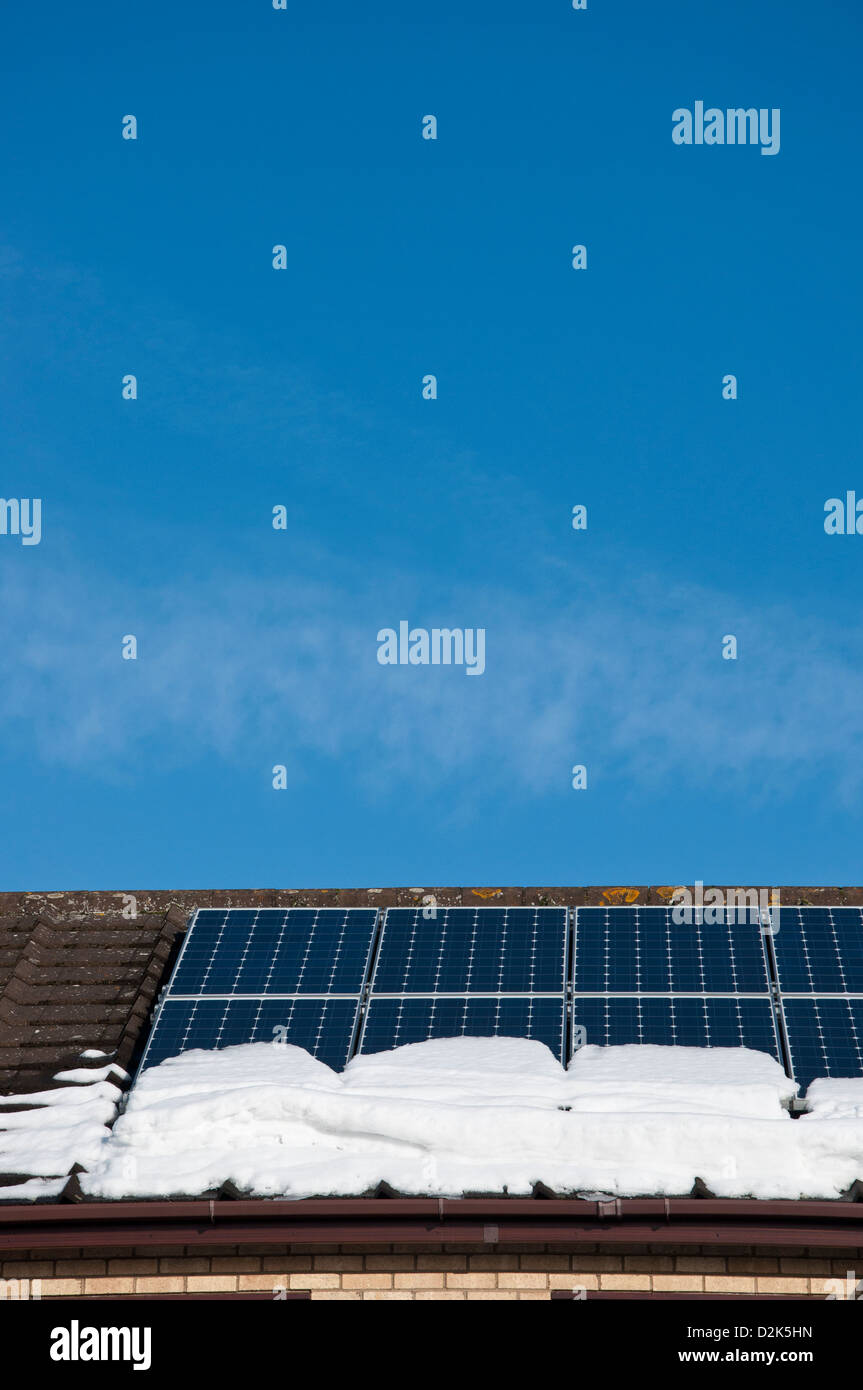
465,950
642,950
464,971
276,951
305,974
677,1020
392,1022
298,974
825,1037
324,1027
819,950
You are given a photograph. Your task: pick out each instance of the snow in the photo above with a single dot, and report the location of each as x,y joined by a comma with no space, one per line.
33,1190
84,1075
466,1115
441,1118
697,1080
66,1126
839,1098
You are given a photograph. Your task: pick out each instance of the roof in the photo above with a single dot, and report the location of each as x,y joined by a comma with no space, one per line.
75,977
79,973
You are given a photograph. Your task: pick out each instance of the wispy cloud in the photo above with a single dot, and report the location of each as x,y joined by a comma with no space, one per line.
247,669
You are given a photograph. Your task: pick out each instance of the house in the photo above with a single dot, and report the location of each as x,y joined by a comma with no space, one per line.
80,974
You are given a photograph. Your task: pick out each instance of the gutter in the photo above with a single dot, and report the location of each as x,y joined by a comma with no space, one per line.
408,1221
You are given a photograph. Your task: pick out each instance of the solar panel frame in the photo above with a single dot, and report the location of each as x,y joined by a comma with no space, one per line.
639,1007
836,969
212,1022
791,1008
446,914
287,914
173,996
695,956
439,1002
383,985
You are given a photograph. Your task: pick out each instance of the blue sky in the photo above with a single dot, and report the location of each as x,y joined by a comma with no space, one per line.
303,388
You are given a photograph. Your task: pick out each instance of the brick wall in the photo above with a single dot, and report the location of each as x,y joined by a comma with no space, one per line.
433,1272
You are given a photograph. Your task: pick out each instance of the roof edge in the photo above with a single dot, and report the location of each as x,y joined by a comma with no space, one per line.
475,1221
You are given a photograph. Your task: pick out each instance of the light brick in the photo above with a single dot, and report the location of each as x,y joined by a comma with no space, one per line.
624,1281
160,1283
678,1283
826,1284
105,1286
474,1280
573,1280
384,1295
261,1283
416,1280
493,1295
319,1281
728,1283
522,1280
773,1285
367,1281
52,1288
447,1295
337,1295
211,1283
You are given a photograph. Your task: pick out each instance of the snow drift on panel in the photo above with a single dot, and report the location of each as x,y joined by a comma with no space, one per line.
461,1115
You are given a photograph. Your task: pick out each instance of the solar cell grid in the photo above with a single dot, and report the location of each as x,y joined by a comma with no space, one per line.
324,1027
392,1022
672,1020
820,950
472,950
281,951
623,950
825,1037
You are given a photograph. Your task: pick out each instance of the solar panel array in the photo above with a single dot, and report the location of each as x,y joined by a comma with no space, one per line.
640,977
338,981
290,974
819,973
475,972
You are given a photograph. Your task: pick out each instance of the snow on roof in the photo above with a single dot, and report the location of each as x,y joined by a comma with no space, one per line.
470,1115
835,1098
